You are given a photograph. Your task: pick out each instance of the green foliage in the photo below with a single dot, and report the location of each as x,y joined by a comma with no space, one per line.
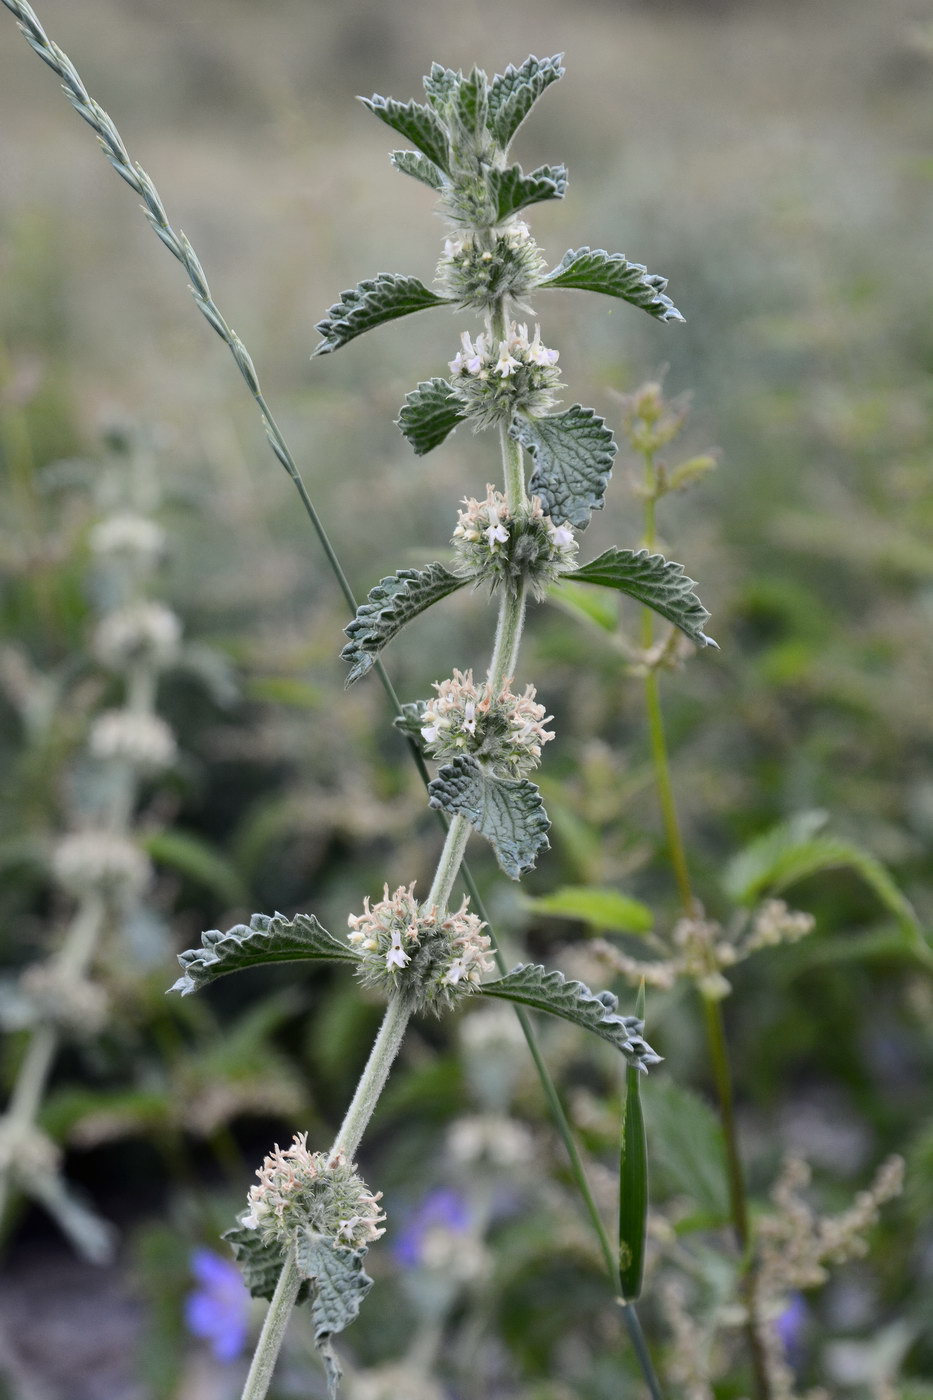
191,855
633,1189
532,985
573,454
512,94
687,1147
419,167
511,189
266,940
260,1261
799,848
339,1285
393,601
372,303
417,123
594,270
604,910
508,812
429,414
650,579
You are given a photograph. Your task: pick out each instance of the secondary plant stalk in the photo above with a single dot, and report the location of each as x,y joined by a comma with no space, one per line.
717,1044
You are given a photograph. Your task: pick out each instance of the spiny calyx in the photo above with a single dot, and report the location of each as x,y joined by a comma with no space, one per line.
430,956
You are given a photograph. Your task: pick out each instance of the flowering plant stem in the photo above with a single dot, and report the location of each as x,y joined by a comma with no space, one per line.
180,248
712,1006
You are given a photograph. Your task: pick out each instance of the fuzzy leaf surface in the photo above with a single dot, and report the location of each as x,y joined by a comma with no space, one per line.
799,848
470,103
417,123
507,811
512,94
260,1262
595,270
389,605
651,579
372,303
441,86
264,940
429,414
573,454
512,189
339,1285
419,167
532,985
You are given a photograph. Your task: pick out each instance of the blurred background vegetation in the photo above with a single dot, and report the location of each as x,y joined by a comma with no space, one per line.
774,161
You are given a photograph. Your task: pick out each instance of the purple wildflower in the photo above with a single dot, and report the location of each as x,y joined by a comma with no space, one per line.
218,1309
790,1327
443,1209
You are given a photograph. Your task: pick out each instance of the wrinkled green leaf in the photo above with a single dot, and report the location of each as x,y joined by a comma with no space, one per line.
687,1147
604,910
389,605
469,104
573,454
260,1262
429,414
339,1285
411,719
651,579
595,270
508,812
633,1189
419,167
512,189
512,94
532,985
265,940
417,123
441,87
799,848
375,301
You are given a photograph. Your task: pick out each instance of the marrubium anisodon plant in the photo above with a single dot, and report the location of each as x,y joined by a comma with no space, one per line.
311,1217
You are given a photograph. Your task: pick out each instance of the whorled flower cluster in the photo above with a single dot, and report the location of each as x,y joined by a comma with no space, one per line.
492,380
481,267
142,631
301,1190
100,861
126,535
493,543
75,1004
505,731
142,740
429,957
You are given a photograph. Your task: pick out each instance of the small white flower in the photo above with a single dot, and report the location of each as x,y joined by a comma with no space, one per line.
496,533
539,354
562,536
396,956
429,733
506,362
469,717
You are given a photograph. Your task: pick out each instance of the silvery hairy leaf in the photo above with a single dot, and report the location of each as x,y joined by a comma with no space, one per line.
532,985
512,94
594,270
573,455
507,811
512,189
419,167
260,1261
372,303
417,123
429,414
393,601
651,579
264,940
339,1284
